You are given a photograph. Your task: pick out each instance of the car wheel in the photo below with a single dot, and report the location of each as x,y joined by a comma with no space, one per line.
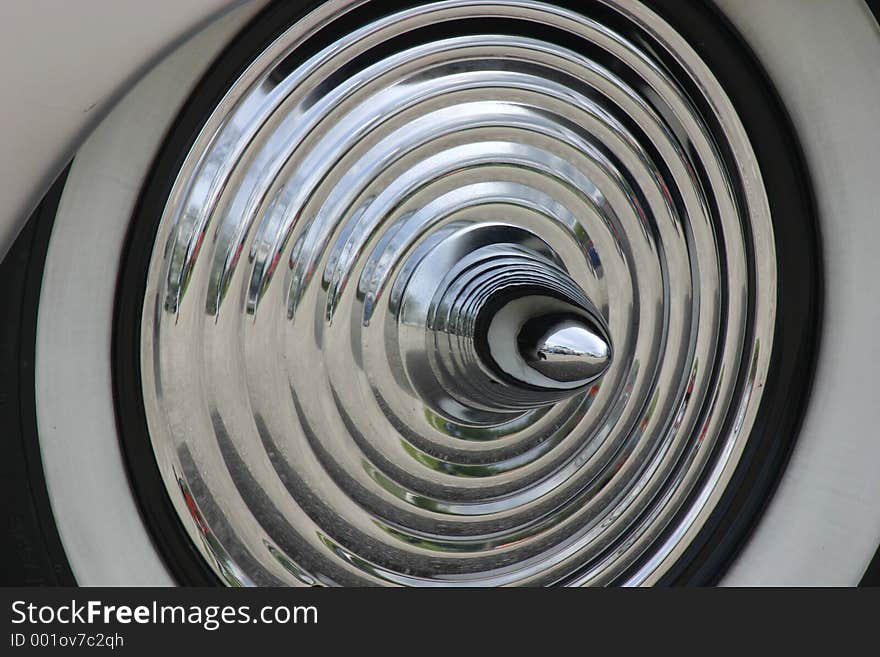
461,293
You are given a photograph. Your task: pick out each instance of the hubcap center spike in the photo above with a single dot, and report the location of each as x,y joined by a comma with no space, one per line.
564,347
491,325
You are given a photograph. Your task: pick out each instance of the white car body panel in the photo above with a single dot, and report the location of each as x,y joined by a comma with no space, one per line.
62,66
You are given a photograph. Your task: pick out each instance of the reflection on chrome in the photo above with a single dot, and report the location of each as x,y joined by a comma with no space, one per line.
459,324
460,306
564,347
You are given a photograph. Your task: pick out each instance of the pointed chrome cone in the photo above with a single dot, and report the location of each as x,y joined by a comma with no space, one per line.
492,325
565,348
547,347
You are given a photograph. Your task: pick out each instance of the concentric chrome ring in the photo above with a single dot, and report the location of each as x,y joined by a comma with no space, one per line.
298,444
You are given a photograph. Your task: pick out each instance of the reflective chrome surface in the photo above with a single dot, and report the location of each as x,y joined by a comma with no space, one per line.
458,328
564,347
486,304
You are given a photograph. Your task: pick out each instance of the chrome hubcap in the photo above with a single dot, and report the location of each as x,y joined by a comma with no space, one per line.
470,292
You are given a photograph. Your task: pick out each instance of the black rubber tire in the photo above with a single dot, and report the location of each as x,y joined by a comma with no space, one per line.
30,548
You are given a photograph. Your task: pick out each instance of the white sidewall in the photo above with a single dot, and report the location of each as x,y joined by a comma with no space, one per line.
823,524
106,541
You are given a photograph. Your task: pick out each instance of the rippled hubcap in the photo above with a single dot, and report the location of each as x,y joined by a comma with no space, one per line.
459,293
